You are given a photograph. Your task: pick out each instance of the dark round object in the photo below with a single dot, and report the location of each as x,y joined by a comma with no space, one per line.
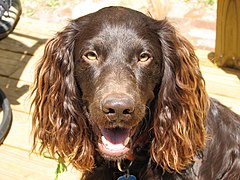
6,122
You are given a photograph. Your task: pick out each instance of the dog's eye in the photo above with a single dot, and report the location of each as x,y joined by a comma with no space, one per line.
144,57
91,56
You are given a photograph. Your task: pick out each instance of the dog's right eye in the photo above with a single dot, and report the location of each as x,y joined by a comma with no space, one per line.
144,57
90,56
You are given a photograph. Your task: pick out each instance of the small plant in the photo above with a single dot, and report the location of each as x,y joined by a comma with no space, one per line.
61,166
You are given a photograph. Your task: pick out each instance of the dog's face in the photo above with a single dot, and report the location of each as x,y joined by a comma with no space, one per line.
117,67
112,77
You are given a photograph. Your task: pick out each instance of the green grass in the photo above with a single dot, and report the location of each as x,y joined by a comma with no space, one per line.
55,3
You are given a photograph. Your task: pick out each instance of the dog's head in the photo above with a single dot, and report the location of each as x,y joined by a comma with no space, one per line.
111,75
117,67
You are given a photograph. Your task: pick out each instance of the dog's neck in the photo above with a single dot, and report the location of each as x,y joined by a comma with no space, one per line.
140,146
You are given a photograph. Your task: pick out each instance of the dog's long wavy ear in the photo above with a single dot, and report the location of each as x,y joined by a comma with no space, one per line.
179,132
59,124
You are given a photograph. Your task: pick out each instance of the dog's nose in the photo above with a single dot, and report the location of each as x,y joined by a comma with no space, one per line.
118,106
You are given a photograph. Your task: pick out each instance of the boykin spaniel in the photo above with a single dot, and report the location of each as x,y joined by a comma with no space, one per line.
120,96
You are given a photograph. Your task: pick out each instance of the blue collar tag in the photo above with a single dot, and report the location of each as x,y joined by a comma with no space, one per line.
127,177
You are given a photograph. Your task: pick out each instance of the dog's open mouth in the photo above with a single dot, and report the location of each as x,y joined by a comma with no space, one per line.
114,141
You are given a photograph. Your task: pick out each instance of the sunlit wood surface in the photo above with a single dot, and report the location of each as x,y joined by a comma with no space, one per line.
18,56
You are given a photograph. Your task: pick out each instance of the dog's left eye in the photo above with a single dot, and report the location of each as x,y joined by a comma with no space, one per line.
143,57
91,56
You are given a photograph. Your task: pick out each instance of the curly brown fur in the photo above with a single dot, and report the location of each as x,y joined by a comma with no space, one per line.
118,86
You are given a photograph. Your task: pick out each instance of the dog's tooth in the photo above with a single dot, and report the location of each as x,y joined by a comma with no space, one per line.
104,141
126,141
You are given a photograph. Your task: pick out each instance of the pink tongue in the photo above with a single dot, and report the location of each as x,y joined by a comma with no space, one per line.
115,135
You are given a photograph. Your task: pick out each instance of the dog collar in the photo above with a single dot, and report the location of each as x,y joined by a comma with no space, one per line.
125,170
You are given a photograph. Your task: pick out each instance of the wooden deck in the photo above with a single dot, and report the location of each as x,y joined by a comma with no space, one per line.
18,55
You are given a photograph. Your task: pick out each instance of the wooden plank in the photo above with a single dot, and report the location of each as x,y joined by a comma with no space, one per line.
222,73
19,53
203,58
17,93
30,34
11,57
11,62
19,66
206,63
38,28
225,81
26,72
22,49
19,135
232,103
218,89
18,164
221,83
21,44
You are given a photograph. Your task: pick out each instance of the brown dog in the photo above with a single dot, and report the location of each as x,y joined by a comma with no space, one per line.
119,91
